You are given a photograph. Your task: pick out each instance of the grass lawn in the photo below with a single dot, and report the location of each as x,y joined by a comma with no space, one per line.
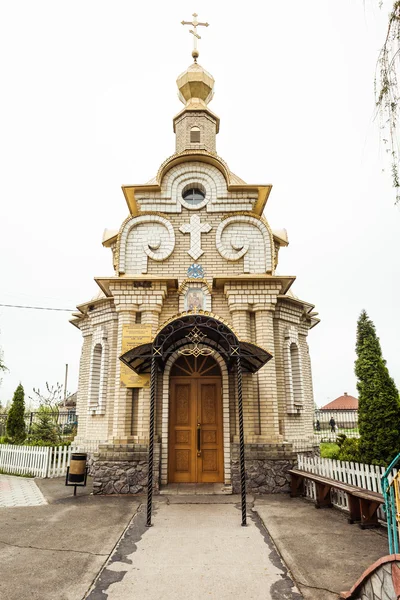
329,450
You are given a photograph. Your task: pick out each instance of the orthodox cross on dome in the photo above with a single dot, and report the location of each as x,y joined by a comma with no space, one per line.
195,228
195,23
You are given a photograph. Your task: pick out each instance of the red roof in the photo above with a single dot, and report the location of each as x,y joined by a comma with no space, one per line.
344,402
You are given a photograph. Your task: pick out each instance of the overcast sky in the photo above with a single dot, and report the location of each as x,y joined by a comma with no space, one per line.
88,94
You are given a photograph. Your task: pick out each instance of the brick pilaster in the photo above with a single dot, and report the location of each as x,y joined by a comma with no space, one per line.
150,315
268,396
123,396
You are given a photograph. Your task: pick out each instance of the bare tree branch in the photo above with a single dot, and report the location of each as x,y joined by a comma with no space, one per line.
387,92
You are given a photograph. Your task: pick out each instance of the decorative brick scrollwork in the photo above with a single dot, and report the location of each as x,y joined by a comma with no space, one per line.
198,174
194,174
141,238
249,238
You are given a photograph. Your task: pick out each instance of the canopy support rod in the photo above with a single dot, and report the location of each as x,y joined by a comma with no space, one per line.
241,440
153,378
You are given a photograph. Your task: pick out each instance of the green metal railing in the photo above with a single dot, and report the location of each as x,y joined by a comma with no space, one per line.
391,493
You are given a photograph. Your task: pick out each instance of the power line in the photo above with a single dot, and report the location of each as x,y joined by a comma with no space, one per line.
36,307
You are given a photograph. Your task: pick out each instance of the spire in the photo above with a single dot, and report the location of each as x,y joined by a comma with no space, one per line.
195,126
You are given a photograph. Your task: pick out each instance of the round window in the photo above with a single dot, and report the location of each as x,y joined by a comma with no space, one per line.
193,196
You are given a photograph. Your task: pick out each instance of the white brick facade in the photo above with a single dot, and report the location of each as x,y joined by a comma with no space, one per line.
235,250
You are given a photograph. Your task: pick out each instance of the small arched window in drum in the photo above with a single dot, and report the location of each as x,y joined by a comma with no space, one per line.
195,135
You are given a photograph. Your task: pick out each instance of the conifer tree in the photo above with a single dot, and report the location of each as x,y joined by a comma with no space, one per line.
15,426
378,398
45,430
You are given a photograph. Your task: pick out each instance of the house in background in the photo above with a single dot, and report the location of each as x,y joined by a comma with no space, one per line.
69,403
344,410
67,410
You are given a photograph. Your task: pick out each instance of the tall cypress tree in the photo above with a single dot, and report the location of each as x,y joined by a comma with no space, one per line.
15,426
378,398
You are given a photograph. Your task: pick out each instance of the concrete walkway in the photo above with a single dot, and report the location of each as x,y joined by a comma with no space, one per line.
195,551
54,551
324,553
98,548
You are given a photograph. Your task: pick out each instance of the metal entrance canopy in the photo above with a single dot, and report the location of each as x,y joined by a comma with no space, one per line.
205,333
212,332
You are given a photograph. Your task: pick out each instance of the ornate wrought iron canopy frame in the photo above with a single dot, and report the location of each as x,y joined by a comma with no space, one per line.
213,334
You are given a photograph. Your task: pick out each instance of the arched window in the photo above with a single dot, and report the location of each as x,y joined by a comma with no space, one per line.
296,375
98,375
195,135
293,373
95,376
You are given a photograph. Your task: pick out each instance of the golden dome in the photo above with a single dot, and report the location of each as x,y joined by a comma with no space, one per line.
195,86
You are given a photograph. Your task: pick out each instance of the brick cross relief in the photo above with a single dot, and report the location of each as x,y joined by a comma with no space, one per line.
195,228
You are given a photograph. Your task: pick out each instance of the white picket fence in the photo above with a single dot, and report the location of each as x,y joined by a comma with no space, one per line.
59,460
41,461
364,476
36,461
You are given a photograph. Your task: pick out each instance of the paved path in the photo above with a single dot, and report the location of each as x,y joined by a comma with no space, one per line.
19,491
195,551
325,554
55,551
65,549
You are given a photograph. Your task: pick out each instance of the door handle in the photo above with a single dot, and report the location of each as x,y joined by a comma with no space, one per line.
198,439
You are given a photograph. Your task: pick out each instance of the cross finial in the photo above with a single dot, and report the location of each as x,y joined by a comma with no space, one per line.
195,23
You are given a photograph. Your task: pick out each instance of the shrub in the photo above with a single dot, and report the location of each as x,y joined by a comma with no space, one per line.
69,429
41,443
329,450
350,450
15,426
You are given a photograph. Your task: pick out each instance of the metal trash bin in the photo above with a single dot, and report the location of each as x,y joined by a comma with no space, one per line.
77,470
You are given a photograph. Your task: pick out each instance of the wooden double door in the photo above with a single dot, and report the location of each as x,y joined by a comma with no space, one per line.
195,427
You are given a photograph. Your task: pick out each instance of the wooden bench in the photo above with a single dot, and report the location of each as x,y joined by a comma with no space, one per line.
363,504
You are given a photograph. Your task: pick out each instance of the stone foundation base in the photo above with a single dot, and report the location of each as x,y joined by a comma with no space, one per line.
123,469
267,467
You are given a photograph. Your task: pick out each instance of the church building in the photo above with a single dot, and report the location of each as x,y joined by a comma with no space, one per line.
195,353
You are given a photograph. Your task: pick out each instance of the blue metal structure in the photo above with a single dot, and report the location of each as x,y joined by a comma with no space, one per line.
391,494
